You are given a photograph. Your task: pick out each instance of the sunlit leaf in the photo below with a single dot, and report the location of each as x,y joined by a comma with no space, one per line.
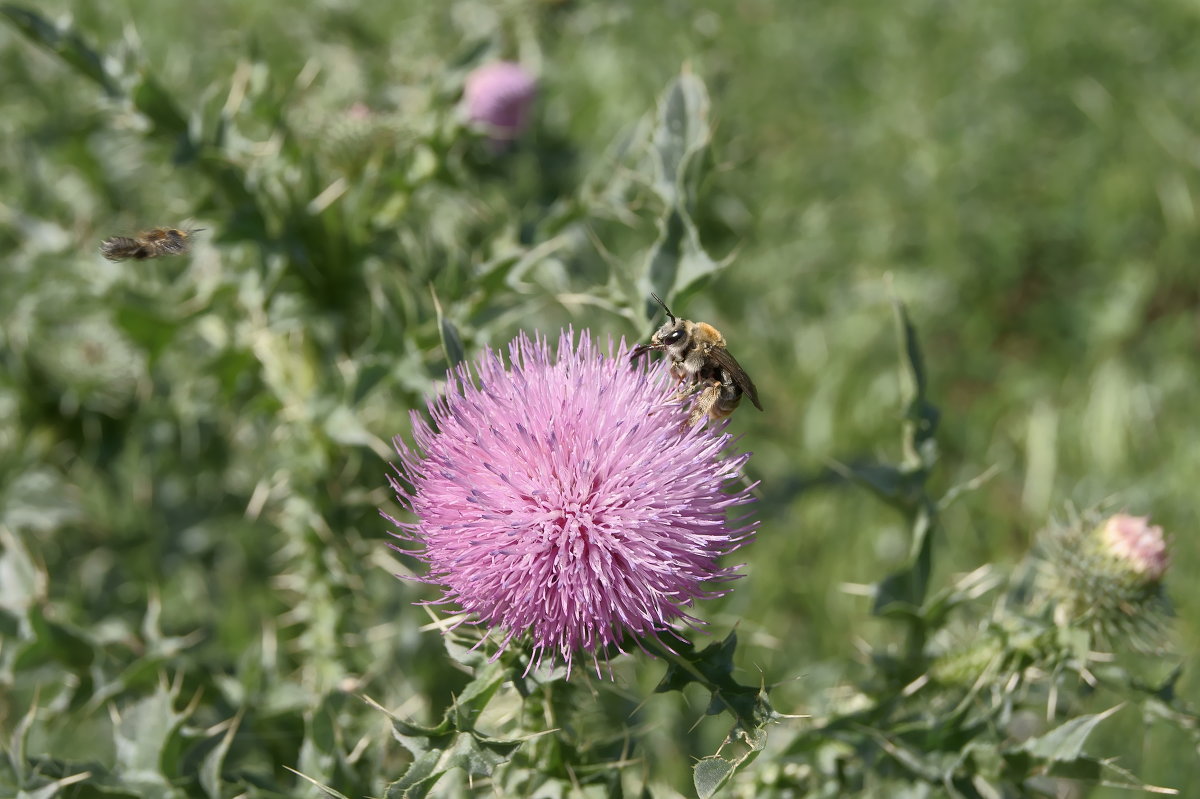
211,768
1065,742
22,581
681,133
710,775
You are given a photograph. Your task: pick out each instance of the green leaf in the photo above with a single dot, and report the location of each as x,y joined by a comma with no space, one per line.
710,774
421,738
37,501
506,271
750,707
677,262
471,701
1088,769
682,132
663,260
479,755
911,349
903,592
713,668
370,375
343,426
921,416
452,345
1065,742
473,657
214,761
22,581
420,777
144,735
453,743
55,641
901,487
64,42
695,264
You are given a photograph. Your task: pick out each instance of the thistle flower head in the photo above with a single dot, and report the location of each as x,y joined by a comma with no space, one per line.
1104,575
562,496
1135,544
498,96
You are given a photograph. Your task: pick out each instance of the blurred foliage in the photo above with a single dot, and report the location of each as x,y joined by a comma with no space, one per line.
195,591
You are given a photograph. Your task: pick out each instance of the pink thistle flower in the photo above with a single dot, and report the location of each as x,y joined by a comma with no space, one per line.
1137,544
1103,577
566,498
498,96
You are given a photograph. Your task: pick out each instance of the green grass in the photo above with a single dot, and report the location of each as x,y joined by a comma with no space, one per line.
199,484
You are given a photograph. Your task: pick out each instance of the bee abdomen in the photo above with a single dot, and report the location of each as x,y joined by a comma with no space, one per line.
726,404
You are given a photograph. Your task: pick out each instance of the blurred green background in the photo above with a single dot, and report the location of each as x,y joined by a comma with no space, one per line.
192,450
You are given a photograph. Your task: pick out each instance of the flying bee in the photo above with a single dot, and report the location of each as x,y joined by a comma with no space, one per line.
151,244
702,364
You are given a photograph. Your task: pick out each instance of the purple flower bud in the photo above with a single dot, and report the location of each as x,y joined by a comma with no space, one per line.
1136,543
498,96
1103,576
564,497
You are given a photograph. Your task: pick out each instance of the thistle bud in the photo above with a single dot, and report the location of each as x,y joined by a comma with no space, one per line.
498,96
1104,576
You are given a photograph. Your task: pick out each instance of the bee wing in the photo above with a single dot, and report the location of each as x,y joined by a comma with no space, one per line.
727,361
175,242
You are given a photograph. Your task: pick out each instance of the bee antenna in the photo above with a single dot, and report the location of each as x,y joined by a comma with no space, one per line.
659,300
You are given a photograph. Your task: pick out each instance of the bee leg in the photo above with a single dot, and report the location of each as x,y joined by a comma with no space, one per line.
703,405
685,390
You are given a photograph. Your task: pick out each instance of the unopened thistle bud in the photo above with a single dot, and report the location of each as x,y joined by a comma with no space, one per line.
1105,575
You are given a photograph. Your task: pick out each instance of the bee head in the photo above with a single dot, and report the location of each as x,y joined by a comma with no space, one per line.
671,333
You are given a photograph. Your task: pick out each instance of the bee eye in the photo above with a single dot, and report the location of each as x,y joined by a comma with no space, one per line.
673,336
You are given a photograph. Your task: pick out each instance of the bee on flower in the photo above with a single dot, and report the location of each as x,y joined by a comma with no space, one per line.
560,497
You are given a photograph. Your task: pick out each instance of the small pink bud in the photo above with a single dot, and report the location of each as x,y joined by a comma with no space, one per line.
1136,543
358,110
498,96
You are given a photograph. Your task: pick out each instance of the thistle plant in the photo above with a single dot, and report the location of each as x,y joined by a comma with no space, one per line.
198,595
